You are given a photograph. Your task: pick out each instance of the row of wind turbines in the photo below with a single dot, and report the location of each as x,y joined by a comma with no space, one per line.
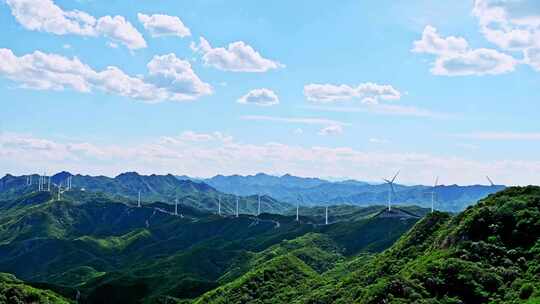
391,191
44,184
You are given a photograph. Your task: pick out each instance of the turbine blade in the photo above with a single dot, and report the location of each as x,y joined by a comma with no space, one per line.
395,176
436,181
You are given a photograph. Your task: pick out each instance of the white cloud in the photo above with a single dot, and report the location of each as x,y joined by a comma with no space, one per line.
46,16
474,62
119,29
22,153
511,25
163,25
177,77
432,43
331,130
455,58
169,77
532,57
298,131
261,97
368,93
504,136
238,57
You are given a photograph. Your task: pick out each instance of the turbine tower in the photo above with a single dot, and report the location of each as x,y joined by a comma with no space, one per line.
60,191
237,214
391,191
490,181
49,184
326,216
433,194
259,207
139,200
300,199
176,207
219,206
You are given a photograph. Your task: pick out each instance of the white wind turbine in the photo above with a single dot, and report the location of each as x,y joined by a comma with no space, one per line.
259,206
490,181
237,206
300,199
326,216
391,191
433,194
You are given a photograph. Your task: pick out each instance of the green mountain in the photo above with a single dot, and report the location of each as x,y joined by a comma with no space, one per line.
490,253
115,252
14,291
153,188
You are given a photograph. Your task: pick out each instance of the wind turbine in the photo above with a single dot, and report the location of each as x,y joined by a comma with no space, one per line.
326,216
391,190
219,205
176,207
60,191
139,200
300,199
236,205
259,207
433,193
490,181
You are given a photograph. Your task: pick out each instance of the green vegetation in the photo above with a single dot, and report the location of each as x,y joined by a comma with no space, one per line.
14,291
111,251
490,253
106,248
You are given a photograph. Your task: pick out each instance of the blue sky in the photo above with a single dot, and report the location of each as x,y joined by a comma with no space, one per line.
358,90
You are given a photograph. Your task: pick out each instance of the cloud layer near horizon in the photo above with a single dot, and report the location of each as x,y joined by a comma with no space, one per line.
207,154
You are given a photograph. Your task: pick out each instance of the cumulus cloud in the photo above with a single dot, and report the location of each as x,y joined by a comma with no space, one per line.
169,78
260,97
177,77
237,57
433,43
511,25
46,16
369,93
118,29
23,153
455,58
164,25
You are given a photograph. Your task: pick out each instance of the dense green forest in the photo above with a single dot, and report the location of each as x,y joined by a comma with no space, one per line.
103,248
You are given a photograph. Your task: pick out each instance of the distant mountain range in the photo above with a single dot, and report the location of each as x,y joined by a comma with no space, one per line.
278,193
153,188
315,191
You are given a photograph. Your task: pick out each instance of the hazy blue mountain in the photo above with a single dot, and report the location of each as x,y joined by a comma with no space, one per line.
316,191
